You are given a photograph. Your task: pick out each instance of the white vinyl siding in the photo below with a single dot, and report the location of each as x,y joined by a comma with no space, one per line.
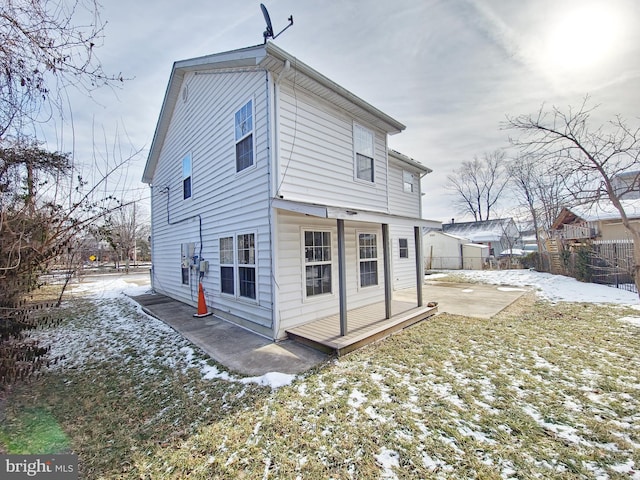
401,201
226,204
316,155
403,269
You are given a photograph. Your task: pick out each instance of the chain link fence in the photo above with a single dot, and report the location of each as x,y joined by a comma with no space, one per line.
605,262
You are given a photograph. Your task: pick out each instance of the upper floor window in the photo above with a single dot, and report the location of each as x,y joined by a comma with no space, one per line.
186,177
244,136
363,146
407,181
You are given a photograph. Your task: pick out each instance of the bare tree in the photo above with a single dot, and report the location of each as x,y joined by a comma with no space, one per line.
45,47
45,204
588,158
123,229
539,189
479,184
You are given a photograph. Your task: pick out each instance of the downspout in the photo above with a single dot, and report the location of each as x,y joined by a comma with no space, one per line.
275,324
152,239
273,170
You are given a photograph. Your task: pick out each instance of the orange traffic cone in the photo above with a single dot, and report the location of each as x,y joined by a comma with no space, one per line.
202,304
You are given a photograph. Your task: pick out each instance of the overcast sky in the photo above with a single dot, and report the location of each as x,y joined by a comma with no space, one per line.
450,70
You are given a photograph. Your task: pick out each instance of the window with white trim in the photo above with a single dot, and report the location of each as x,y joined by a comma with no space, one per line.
407,181
186,176
246,265
227,266
368,259
364,158
317,258
243,122
238,265
403,246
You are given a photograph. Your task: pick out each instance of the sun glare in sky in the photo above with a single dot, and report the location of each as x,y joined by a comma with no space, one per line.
584,38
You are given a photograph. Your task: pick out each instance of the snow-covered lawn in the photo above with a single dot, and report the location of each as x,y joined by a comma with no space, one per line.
555,288
544,390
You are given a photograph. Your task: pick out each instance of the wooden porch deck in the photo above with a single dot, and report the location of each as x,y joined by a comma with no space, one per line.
364,325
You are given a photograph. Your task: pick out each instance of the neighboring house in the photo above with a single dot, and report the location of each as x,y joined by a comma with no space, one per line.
499,234
600,221
528,241
627,185
275,188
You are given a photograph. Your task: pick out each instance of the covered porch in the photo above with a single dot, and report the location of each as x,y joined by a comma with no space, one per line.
352,327
366,325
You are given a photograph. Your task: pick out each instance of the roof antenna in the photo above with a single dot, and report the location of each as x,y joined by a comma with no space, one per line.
269,31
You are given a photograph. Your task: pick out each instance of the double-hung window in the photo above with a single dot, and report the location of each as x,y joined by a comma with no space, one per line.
363,146
403,245
186,177
317,258
247,265
238,262
368,259
243,121
227,266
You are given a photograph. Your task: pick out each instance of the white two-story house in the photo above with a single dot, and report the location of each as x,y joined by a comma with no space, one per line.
275,188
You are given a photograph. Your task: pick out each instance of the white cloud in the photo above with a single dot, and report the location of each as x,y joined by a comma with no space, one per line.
450,71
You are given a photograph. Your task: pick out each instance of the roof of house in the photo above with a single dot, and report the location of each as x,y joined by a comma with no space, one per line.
409,161
270,58
443,234
602,210
484,231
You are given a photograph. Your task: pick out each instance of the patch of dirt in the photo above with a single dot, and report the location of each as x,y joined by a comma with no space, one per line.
520,306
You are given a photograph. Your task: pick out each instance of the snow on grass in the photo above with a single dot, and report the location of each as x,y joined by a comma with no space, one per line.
631,320
552,391
555,288
388,459
118,327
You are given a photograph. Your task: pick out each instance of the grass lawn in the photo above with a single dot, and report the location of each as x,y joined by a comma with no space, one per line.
540,391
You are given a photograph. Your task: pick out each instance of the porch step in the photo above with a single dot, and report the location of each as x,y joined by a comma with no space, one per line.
324,334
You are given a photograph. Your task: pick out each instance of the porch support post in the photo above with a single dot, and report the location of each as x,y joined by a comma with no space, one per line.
417,234
387,270
342,278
